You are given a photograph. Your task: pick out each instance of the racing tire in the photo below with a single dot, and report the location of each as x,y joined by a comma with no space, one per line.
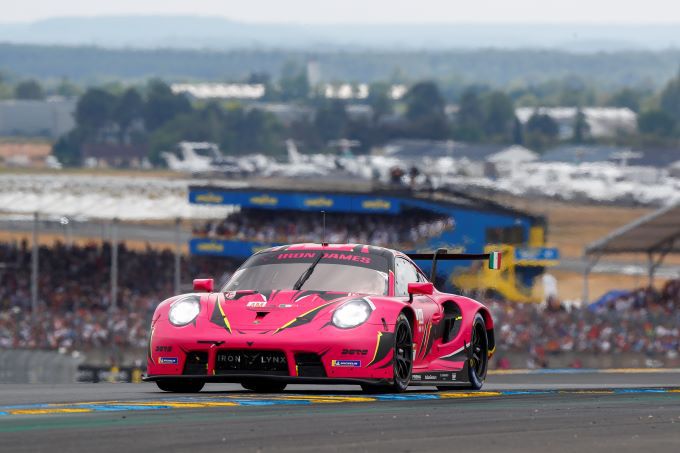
403,360
181,386
478,363
264,386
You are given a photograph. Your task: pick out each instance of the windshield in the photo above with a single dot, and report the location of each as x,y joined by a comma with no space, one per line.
336,271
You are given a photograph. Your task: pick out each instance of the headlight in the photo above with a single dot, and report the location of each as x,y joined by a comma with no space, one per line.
183,311
352,313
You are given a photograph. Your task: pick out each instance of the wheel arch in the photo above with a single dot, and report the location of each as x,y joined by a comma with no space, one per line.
488,322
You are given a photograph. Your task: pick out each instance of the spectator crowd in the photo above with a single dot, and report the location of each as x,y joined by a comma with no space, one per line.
382,230
74,312
74,294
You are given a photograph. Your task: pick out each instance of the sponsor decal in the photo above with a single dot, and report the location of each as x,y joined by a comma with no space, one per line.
326,256
377,204
230,295
346,363
285,305
251,358
354,351
168,360
209,197
163,348
256,304
435,376
319,202
264,200
210,246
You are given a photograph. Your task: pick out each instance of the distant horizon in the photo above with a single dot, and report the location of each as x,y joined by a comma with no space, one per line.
312,12
580,22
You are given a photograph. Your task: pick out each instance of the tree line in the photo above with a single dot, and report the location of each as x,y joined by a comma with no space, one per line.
153,116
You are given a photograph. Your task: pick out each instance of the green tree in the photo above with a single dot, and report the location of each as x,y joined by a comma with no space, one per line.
67,89
541,131
471,116
293,82
379,99
581,127
627,97
499,115
670,98
657,123
162,105
94,110
331,120
517,132
128,108
424,101
29,89
67,148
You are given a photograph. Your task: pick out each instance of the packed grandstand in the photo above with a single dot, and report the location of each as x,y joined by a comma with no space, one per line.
299,226
74,310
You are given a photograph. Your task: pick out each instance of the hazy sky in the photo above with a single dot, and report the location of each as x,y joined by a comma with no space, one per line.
361,11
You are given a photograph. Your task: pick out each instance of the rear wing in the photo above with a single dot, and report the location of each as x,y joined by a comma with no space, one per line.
494,258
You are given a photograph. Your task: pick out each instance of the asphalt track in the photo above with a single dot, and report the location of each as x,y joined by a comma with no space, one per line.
625,410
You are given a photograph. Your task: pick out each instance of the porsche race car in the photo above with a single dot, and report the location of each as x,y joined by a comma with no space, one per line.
323,314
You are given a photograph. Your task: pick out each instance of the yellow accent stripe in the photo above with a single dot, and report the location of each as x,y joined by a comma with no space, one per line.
377,344
302,316
224,317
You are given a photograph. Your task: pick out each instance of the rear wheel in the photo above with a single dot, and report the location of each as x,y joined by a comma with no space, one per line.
264,386
478,361
181,386
403,360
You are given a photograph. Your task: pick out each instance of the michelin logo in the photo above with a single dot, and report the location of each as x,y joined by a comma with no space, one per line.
168,360
346,363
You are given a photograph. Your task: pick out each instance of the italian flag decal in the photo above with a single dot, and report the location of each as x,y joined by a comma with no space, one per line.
495,260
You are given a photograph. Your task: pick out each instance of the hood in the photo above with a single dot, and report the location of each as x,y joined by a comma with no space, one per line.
272,310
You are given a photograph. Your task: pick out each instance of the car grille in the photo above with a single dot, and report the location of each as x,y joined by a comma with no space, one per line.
309,365
196,363
251,362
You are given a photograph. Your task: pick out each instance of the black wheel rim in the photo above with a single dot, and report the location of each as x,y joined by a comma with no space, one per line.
403,354
478,356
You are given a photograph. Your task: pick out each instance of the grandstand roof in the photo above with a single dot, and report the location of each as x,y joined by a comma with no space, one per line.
656,232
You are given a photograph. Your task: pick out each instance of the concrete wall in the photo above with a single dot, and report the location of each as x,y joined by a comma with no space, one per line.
37,367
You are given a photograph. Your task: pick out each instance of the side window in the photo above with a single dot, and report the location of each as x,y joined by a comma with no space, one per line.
404,274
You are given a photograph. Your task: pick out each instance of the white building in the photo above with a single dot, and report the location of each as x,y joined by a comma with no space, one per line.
603,121
220,90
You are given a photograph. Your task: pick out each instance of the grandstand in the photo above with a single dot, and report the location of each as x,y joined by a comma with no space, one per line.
410,220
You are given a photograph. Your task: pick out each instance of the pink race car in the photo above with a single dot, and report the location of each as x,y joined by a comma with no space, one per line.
323,314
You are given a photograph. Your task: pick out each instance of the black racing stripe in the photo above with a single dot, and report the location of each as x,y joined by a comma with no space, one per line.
217,318
385,345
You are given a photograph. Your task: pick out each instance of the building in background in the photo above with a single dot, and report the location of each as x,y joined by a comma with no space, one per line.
50,118
27,154
603,122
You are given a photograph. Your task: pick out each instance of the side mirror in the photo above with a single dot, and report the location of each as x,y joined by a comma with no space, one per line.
204,285
425,289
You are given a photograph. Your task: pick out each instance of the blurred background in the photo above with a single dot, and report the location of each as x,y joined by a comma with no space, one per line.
147,143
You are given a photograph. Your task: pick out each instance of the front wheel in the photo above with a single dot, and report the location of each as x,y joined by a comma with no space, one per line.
403,360
478,357
264,386
181,386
